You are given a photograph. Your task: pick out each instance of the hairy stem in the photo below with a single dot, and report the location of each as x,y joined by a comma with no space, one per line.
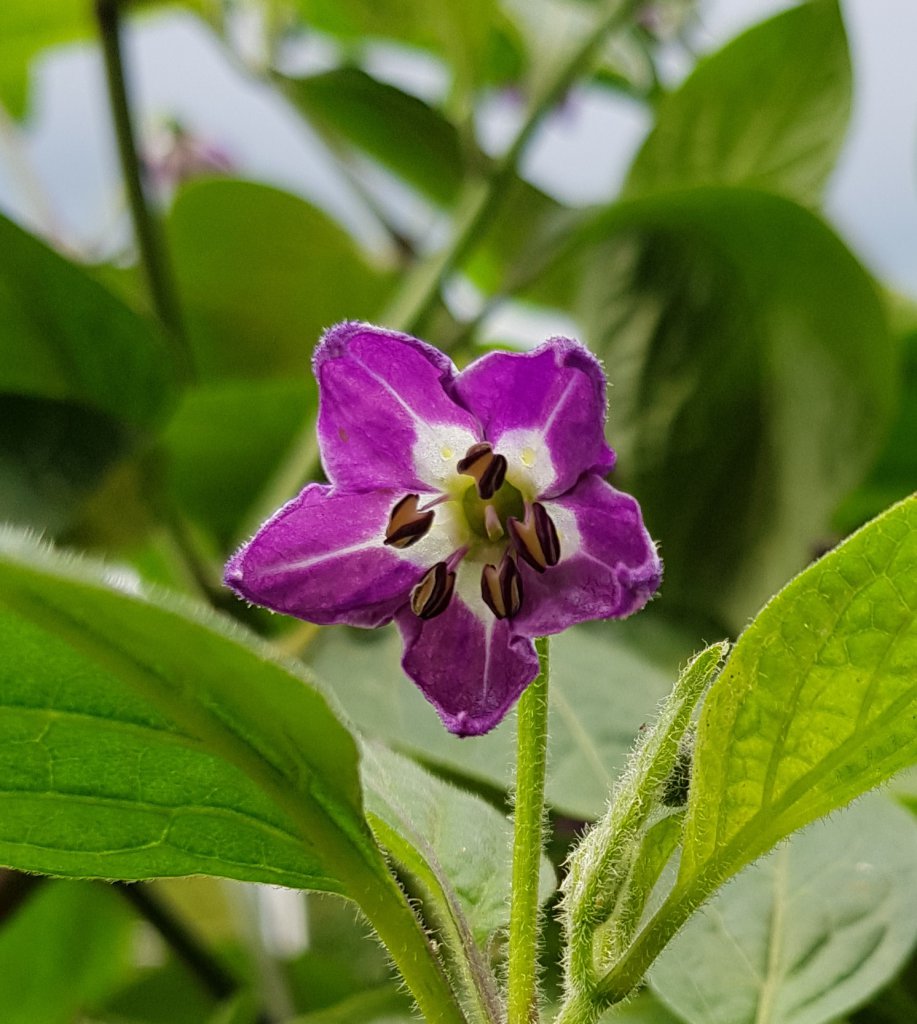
153,254
531,760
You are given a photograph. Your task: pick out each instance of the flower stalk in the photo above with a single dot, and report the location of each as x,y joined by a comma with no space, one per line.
531,761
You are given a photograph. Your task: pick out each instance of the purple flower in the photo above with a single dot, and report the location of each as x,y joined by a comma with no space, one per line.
469,507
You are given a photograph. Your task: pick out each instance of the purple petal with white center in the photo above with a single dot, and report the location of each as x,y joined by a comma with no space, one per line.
322,558
544,410
608,567
471,666
385,419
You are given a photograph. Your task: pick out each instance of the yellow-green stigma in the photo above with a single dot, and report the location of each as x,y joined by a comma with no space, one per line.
506,502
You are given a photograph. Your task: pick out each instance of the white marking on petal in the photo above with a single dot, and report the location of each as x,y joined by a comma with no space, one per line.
529,466
435,450
468,590
556,410
448,533
327,556
531,469
436,444
568,534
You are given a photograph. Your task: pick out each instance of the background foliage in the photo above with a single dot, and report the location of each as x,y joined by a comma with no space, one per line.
764,405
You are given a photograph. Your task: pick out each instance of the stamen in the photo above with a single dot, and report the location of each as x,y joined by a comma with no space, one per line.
502,590
432,595
487,468
406,525
536,538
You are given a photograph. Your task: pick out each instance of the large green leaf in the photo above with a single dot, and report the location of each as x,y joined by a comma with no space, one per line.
262,273
816,705
603,688
66,337
736,315
769,110
806,934
63,952
142,737
399,130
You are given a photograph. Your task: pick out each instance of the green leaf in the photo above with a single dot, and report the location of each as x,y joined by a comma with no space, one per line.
383,1005
603,688
241,1008
163,994
816,704
350,105
63,952
457,845
341,960
53,455
808,933
262,274
27,28
739,315
64,336
83,381
458,850
142,737
769,110
224,443
643,1009
477,39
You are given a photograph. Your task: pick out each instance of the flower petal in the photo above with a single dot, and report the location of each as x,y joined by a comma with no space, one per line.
608,567
385,419
471,666
544,410
322,558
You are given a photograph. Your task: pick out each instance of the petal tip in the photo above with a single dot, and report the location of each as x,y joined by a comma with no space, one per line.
335,339
233,574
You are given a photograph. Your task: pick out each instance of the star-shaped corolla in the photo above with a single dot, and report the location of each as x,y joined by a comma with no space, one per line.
469,507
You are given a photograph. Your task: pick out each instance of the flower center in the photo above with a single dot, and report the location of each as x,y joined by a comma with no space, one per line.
489,525
502,527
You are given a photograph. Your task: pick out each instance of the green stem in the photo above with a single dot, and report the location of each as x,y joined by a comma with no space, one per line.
579,1010
385,905
481,198
149,241
531,759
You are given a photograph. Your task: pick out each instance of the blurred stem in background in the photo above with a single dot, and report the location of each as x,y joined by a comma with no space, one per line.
480,199
153,253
